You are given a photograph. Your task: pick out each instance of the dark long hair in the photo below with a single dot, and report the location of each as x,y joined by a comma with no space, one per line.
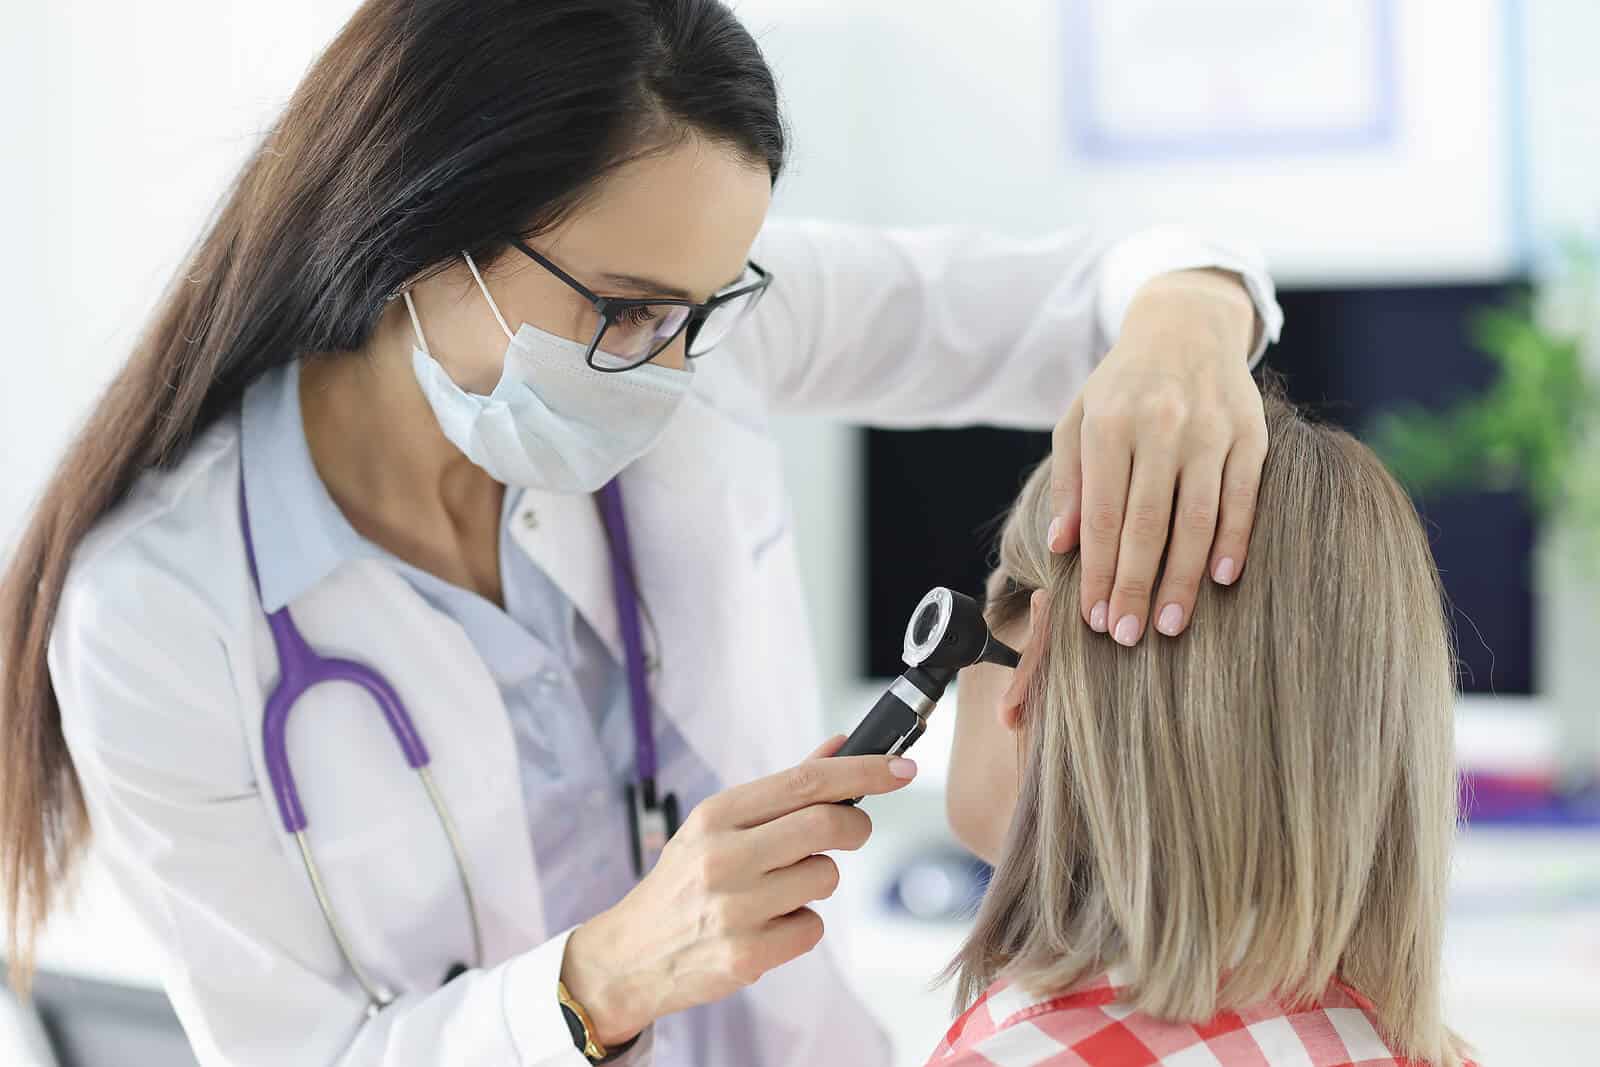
427,127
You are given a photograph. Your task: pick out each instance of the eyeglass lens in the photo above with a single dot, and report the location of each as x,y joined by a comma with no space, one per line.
637,333
640,332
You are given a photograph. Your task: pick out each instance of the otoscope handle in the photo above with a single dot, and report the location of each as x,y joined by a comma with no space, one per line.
889,729
892,726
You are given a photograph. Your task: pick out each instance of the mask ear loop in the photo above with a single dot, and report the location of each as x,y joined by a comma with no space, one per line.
416,324
501,319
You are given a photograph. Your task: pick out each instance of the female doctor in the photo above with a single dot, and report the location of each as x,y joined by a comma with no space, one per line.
416,577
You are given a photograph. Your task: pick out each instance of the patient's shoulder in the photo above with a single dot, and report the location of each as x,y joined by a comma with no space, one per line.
1089,1026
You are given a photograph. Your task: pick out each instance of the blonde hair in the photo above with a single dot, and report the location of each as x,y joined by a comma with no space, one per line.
1260,806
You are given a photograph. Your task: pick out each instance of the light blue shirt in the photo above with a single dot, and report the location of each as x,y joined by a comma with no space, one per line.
567,696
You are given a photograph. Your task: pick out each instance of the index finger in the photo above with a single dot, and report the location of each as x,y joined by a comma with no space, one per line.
1107,471
814,781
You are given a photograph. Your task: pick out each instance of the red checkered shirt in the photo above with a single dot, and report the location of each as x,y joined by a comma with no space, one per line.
1090,1027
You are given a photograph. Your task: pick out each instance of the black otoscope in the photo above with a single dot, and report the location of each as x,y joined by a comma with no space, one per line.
945,634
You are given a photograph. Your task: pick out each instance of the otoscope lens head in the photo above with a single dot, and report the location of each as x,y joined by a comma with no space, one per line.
947,630
927,624
929,621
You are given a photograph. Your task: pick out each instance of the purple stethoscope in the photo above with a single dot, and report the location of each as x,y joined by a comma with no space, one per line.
653,818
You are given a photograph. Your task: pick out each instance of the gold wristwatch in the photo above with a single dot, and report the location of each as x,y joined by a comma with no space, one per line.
581,1026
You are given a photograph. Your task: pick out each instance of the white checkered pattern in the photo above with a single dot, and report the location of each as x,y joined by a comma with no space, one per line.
1090,1027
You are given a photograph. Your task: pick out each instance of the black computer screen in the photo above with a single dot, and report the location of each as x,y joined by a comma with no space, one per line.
933,497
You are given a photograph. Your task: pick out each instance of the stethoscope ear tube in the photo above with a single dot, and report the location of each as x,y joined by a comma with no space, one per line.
378,996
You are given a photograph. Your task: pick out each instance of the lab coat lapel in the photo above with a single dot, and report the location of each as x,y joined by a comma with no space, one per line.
694,576
564,537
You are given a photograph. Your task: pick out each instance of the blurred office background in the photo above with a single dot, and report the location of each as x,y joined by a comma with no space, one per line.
1403,163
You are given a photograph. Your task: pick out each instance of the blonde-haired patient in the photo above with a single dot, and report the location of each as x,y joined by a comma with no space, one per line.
1230,847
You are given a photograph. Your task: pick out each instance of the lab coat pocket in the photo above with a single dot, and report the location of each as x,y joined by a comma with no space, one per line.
394,887
384,858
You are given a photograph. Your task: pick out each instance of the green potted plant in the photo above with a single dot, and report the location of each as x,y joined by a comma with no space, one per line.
1534,430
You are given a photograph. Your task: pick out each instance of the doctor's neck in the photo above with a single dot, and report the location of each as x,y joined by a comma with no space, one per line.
379,450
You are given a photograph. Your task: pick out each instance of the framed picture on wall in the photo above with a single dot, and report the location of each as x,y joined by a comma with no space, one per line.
1170,79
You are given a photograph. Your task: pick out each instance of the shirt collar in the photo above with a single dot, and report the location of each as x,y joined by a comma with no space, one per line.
300,535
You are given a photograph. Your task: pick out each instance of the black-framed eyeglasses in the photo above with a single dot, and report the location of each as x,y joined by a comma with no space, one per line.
634,332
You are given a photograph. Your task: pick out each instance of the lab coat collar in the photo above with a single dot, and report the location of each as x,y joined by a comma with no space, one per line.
682,480
300,535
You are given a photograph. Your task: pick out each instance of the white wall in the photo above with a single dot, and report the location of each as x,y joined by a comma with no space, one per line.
1562,121
27,374
132,119
956,118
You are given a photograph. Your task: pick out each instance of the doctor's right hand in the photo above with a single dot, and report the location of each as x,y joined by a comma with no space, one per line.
727,900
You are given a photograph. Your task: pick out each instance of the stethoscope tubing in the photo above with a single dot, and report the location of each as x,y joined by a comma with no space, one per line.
301,669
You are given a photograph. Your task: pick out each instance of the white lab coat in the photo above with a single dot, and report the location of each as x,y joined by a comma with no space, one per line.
161,658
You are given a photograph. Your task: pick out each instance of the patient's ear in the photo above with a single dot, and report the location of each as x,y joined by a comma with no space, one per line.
1016,694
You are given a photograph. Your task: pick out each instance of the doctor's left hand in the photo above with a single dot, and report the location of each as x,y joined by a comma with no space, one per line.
1167,436
727,900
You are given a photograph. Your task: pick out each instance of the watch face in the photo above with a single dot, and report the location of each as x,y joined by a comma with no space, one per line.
577,1026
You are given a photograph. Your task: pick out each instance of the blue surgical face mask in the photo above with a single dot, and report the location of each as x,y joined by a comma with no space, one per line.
552,422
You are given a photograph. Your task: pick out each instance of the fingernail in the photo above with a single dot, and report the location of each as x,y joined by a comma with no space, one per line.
1224,571
901,767
1127,630
1052,533
1097,617
1171,619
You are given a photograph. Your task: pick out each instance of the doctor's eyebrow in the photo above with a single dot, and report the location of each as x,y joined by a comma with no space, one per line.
654,287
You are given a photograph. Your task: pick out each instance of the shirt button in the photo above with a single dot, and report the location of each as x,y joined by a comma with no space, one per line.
530,519
548,678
